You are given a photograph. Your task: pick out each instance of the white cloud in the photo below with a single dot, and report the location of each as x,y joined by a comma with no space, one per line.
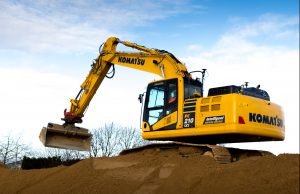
68,26
270,25
23,28
29,98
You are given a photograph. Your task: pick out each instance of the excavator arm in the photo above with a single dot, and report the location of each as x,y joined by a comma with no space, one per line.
154,61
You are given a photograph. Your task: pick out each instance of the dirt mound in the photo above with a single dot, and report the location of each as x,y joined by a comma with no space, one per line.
2,165
166,171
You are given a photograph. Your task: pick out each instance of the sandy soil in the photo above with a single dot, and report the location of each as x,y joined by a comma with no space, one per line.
151,171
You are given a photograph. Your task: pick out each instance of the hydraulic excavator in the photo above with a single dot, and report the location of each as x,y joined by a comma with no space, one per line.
175,108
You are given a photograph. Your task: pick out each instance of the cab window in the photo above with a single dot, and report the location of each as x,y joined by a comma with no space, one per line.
161,100
156,96
192,88
156,103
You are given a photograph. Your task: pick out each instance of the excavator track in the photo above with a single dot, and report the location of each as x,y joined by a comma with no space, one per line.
221,154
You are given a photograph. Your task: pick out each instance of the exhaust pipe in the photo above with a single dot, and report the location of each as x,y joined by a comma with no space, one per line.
66,137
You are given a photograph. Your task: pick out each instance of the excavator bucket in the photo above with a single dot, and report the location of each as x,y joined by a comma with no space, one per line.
66,137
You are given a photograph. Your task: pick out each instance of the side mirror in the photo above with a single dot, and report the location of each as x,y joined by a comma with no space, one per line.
141,97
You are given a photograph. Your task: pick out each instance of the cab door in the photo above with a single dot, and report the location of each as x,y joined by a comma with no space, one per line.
161,105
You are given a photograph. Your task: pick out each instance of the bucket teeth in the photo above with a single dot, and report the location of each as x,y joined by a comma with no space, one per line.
66,137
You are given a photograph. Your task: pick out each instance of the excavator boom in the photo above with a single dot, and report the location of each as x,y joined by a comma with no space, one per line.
69,136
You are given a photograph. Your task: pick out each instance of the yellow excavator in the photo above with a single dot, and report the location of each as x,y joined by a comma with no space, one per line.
175,108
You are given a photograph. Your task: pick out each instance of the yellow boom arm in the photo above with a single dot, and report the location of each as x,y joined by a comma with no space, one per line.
154,61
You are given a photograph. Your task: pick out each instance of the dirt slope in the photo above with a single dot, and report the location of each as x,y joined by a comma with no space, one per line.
151,171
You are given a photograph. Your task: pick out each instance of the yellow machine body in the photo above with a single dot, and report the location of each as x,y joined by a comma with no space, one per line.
227,118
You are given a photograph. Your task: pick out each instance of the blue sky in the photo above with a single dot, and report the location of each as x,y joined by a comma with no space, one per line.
46,48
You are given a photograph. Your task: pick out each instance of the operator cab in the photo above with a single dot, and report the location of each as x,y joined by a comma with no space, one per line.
162,97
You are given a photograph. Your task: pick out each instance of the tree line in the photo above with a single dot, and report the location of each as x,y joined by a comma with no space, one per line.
108,140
